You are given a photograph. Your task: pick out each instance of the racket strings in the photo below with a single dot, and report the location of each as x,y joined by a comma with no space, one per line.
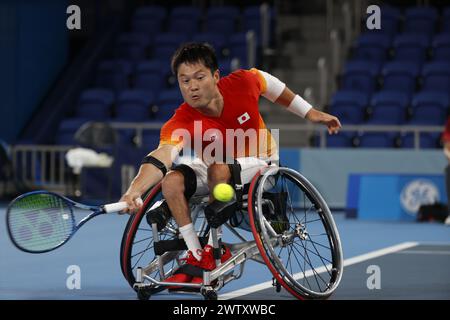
40,222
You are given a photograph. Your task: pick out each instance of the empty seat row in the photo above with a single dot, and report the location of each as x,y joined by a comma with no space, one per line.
390,108
348,139
369,76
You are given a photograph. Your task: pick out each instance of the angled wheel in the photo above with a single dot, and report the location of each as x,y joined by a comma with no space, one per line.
295,233
137,248
138,241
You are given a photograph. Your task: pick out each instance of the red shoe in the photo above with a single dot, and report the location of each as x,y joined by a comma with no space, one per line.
226,254
197,280
208,262
179,277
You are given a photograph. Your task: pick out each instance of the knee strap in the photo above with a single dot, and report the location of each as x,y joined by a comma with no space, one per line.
190,179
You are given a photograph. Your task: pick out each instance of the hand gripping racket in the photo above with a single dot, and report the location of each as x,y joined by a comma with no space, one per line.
41,221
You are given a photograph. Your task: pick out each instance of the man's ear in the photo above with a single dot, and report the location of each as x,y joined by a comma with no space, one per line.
216,75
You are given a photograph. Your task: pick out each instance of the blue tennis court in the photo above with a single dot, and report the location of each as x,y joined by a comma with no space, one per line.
413,260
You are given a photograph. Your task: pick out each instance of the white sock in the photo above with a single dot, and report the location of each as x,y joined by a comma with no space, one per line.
219,236
191,239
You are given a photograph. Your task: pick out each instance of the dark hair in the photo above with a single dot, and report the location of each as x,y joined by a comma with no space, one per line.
193,53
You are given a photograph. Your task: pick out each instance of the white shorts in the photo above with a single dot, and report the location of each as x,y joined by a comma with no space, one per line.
249,167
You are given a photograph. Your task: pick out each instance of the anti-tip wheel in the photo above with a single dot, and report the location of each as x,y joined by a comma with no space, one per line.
143,294
209,294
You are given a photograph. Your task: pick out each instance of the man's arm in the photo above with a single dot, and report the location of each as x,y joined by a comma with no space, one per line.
286,99
148,176
277,92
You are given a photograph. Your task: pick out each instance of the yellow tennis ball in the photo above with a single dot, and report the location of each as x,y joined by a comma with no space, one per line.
223,192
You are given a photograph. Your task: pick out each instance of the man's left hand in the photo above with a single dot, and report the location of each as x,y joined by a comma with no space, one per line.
330,121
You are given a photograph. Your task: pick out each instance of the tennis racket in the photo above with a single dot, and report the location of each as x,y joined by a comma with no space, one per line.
41,221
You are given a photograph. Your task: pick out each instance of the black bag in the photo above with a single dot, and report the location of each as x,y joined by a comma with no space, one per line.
432,212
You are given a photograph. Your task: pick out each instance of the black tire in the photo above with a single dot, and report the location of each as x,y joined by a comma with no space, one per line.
312,235
137,240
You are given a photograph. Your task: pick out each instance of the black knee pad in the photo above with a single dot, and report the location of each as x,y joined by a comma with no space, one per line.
190,179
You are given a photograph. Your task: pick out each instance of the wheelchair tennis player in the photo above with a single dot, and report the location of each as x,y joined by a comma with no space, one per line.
212,107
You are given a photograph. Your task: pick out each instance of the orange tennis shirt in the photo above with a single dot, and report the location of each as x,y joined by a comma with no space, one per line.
238,132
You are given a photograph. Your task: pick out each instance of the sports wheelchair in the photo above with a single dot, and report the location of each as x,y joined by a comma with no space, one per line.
294,235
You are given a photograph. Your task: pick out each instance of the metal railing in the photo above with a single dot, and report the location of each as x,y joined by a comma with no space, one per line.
310,128
41,166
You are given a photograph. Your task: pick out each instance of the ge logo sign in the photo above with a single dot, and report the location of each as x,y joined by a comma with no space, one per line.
418,192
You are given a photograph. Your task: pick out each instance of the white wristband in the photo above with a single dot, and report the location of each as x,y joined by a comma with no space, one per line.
299,106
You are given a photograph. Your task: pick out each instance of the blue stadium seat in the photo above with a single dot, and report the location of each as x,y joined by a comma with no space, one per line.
411,47
388,108
150,12
225,67
376,140
390,19
238,48
446,20
163,112
429,108
126,136
149,81
114,74
150,139
426,140
222,26
166,43
372,46
436,76
185,12
67,129
149,27
95,104
134,105
342,140
172,96
349,106
222,12
218,41
441,47
168,100
420,20
400,76
132,46
153,66
184,25
148,19
360,76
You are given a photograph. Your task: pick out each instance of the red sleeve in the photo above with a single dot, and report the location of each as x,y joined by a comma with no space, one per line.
170,134
250,82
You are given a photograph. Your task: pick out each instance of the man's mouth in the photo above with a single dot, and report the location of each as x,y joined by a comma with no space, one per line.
195,97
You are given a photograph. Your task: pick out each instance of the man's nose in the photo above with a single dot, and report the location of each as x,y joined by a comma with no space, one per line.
193,86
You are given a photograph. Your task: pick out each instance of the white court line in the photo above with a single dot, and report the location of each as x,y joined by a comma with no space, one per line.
424,252
348,262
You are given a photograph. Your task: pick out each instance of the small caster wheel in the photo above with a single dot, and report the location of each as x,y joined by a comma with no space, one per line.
143,294
209,294
277,285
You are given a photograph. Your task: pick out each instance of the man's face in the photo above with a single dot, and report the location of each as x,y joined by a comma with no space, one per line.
198,86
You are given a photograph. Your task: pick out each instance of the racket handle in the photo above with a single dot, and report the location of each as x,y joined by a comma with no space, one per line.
114,207
118,206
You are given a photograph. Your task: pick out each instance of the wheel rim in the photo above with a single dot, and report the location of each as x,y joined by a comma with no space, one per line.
296,260
137,249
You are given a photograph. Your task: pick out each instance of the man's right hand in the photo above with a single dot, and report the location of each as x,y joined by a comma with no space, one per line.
134,201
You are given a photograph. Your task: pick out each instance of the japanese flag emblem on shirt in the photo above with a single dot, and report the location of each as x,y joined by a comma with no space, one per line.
243,118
